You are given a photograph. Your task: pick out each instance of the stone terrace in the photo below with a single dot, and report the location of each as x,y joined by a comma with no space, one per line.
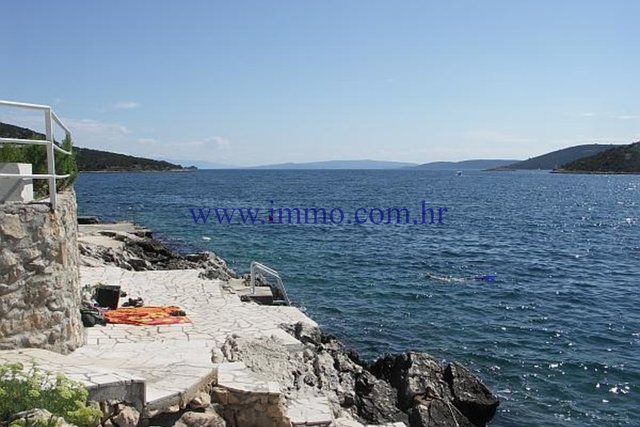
160,367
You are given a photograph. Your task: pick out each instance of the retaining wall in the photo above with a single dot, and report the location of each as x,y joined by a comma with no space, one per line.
39,276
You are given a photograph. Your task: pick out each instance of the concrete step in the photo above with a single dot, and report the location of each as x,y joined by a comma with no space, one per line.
237,377
154,375
311,411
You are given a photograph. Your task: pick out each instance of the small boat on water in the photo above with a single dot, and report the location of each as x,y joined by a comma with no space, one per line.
459,173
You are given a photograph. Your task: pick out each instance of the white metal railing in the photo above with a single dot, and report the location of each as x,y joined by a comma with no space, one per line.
258,267
49,118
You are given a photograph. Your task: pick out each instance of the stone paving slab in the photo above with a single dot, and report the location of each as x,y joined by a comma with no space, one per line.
97,239
235,376
311,411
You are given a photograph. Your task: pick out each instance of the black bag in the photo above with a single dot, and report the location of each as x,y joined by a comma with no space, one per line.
91,316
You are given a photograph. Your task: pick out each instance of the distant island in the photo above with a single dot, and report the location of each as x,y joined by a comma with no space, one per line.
556,159
620,159
90,160
380,164
480,164
340,164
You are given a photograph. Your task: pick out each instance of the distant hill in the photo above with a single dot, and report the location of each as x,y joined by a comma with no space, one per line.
557,158
339,164
467,164
203,164
621,159
11,131
90,160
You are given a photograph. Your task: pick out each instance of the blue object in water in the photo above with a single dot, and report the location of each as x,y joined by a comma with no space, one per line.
488,278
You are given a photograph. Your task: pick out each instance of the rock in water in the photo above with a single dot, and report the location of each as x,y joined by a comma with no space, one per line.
436,396
470,396
416,376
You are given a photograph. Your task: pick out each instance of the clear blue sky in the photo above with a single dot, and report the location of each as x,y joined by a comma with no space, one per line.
254,82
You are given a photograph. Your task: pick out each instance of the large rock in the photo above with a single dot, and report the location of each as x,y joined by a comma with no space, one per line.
437,413
470,396
127,417
309,334
201,400
434,395
416,376
376,400
208,418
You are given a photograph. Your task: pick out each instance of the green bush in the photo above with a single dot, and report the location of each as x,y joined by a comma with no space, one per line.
22,389
66,164
37,156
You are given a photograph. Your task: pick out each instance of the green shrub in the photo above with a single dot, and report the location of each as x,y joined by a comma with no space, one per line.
37,156
66,164
22,389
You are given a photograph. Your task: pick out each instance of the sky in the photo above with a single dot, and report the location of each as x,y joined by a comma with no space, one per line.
259,82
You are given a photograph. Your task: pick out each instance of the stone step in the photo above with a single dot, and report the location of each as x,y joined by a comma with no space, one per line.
249,398
172,375
311,411
237,377
154,375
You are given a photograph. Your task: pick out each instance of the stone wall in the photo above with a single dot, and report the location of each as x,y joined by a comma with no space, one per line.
39,276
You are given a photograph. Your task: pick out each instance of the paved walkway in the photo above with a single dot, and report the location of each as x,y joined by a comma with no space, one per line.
161,366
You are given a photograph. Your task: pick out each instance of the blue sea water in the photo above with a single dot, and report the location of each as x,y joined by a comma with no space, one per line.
556,336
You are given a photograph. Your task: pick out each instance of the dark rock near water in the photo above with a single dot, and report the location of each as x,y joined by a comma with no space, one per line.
139,264
83,220
414,388
437,413
376,400
142,253
434,395
309,335
152,251
415,375
470,396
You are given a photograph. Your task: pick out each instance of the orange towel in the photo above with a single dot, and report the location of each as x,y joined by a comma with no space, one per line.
145,316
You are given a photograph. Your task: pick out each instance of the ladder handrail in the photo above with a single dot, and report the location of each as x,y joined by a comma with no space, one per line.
257,266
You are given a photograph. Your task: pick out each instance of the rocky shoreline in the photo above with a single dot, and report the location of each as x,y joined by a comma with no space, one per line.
411,388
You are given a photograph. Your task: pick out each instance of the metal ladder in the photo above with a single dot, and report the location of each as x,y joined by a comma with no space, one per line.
258,268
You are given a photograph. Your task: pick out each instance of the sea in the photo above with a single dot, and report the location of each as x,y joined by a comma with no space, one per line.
530,279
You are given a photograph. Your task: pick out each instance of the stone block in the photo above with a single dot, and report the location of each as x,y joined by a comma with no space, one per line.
16,189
